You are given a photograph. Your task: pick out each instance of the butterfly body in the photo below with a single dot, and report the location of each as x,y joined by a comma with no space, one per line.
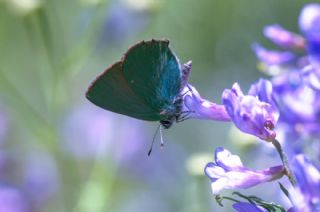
145,84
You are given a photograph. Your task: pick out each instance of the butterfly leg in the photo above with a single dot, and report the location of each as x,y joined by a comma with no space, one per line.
184,115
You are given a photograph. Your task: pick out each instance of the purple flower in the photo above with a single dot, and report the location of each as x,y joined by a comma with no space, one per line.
40,185
296,92
272,57
201,108
87,132
283,38
247,207
306,195
263,90
123,22
311,77
296,89
254,113
12,200
91,132
228,172
298,100
309,22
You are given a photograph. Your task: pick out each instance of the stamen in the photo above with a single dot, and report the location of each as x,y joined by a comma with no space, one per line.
268,125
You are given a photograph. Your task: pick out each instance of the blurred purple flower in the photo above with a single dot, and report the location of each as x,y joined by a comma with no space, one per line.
272,57
309,20
247,207
311,77
284,38
201,108
306,195
40,185
298,101
34,181
297,95
122,22
12,200
309,23
87,132
228,172
130,141
297,88
5,163
254,113
90,132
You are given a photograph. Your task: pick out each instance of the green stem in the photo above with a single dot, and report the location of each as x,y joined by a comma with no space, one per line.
220,198
285,161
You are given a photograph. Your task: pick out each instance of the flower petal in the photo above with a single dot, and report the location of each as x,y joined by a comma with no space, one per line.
249,113
283,37
247,207
228,173
213,171
201,108
309,23
227,160
306,195
272,57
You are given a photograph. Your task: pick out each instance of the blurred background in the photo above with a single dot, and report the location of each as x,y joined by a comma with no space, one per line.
58,152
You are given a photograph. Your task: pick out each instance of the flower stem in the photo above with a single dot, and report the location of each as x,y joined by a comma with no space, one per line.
285,161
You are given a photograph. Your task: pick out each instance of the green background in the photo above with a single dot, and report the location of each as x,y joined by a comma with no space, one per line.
51,51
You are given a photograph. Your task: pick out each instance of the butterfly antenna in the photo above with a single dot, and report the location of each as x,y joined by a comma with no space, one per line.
161,138
154,137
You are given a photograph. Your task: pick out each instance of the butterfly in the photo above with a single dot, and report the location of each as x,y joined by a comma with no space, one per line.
145,84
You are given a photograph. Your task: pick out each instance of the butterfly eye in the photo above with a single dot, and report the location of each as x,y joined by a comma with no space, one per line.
166,123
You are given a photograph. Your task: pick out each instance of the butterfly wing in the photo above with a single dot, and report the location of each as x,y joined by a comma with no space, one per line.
154,74
112,92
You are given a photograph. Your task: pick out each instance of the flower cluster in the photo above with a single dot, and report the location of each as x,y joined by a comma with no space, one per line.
287,107
296,86
305,196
